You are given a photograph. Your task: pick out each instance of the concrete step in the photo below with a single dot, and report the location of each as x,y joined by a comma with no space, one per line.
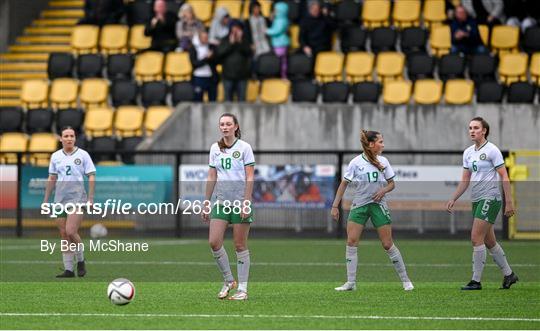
48,31
66,3
63,13
56,22
10,94
10,84
23,75
10,102
44,40
24,56
39,48
23,66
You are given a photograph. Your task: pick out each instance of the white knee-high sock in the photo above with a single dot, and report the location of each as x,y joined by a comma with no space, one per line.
479,260
80,255
243,269
67,257
222,260
397,260
500,259
351,256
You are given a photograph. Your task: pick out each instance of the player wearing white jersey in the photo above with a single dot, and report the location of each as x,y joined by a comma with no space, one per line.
230,177
483,165
67,169
372,177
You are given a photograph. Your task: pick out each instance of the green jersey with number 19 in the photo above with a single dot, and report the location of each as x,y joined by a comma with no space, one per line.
483,164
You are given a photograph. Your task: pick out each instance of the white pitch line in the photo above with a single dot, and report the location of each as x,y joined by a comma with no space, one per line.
342,317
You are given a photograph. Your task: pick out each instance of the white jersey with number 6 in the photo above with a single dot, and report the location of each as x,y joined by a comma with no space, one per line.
483,164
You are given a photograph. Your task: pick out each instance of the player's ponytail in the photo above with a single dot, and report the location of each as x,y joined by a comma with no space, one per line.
365,138
238,134
485,124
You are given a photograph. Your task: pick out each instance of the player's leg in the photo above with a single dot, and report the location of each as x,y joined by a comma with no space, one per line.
73,224
215,239
479,231
240,236
67,256
499,257
354,231
385,235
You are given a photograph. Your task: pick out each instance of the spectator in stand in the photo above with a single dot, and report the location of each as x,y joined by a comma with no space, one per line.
255,29
279,34
101,12
161,28
219,28
187,26
205,77
234,54
489,12
465,35
316,30
522,13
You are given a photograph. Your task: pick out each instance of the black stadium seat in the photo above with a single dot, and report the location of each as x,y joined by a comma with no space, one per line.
420,65
348,11
383,39
39,120
305,91
120,66
60,65
413,40
153,93
335,92
451,66
139,11
520,92
489,92
103,148
299,67
129,144
366,92
353,38
89,66
124,92
482,67
268,66
11,119
70,117
294,10
181,92
531,40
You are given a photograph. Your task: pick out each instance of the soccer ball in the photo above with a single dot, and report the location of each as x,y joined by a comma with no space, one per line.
121,291
98,230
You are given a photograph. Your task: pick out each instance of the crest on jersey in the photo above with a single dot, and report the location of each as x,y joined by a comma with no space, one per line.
77,161
236,154
483,156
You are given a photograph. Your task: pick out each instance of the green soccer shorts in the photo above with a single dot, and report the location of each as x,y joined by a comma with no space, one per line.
378,214
222,213
486,209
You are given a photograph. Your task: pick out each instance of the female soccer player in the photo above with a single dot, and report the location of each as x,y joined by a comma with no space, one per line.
481,164
231,173
66,170
372,176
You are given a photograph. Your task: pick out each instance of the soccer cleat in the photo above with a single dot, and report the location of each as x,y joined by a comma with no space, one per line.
81,269
408,286
239,296
66,274
227,286
509,280
348,286
473,285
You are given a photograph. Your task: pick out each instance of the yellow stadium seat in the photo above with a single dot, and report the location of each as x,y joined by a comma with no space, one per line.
294,34
252,92
155,117
440,40
137,40
427,91
513,67
64,93
233,6
128,121
505,38
114,39
458,91
203,9
434,12
107,163
98,122
94,92
12,142
329,66
535,68
220,92
390,65
42,142
84,39
406,13
359,66
177,66
275,91
149,66
397,92
484,33
34,94
266,8
375,13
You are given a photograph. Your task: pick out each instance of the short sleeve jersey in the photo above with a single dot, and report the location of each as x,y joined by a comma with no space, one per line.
483,164
70,170
231,174
367,179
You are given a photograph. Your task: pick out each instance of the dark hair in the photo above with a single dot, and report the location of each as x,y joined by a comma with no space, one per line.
252,5
367,137
485,124
64,128
221,143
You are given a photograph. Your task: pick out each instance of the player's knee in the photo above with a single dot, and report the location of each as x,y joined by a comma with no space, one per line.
490,243
70,233
240,247
387,244
352,242
215,244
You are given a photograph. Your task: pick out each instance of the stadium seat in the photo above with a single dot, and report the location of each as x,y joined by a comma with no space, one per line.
406,13
353,39
434,12
268,66
233,6
137,40
173,6
128,121
440,40
153,93
34,94
60,65
513,67
535,68
266,8
300,67
335,92
103,148
119,66
458,91
63,93
504,38
252,90
149,66
89,66
521,92
366,92
203,9
94,92
84,39
531,40
12,142
427,91
413,40
397,92
181,92
389,65
489,92
294,10
294,35
348,11
113,39
42,142
375,13
124,92
155,117
383,39
70,117
328,66
359,66
178,67
451,66
129,144
484,33
39,120
275,91
139,11
482,67
305,91
419,66
11,119
98,122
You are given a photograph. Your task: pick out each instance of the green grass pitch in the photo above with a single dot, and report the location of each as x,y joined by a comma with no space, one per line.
291,287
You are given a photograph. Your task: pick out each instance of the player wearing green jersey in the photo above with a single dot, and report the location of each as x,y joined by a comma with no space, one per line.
483,167
372,175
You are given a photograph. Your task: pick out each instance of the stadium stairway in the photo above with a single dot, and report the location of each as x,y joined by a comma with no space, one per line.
27,59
